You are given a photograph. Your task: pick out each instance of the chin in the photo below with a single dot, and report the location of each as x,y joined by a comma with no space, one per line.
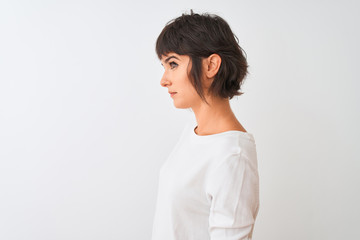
181,105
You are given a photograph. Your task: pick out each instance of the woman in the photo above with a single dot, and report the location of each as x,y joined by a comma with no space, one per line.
209,185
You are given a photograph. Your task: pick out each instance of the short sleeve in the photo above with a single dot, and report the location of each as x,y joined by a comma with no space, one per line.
233,190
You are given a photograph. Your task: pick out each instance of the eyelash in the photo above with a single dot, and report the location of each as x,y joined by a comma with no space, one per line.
172,65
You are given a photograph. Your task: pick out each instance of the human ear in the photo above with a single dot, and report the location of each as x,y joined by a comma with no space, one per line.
212,65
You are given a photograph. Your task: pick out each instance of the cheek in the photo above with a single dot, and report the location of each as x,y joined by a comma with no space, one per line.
190,93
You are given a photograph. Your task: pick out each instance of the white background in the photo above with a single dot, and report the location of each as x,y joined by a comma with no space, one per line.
85,124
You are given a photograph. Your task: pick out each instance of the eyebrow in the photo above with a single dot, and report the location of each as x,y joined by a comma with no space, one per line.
167,59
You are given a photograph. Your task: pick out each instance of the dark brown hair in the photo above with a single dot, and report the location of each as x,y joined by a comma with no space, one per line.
199,36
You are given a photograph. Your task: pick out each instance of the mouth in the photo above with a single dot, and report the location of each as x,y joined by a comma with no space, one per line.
172,93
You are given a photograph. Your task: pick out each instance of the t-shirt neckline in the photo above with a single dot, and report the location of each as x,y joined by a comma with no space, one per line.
246,135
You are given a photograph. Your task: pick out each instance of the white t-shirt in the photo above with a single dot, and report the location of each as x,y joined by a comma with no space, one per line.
208,188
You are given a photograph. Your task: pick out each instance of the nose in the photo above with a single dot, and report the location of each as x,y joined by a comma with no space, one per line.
164,81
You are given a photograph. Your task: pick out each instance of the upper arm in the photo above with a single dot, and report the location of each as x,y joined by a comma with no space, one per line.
233,190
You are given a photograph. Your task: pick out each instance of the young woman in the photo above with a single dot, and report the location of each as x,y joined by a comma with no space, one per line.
209,185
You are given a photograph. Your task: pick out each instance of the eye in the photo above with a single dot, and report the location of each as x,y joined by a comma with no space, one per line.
173,64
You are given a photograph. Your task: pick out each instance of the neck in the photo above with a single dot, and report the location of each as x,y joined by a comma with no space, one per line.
215,117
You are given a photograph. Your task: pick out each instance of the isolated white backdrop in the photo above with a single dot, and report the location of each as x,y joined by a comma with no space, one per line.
85,124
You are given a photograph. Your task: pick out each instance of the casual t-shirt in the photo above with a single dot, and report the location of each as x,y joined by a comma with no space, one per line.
208,188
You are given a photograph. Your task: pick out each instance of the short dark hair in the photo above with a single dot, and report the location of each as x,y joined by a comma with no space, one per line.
199,36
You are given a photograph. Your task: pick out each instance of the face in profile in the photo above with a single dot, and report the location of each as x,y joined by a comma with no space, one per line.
175,79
